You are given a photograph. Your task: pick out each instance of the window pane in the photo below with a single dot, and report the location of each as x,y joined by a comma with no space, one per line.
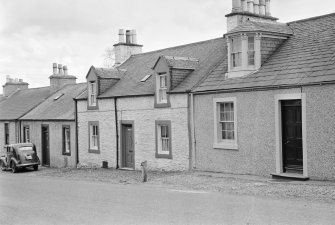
251,45
251,58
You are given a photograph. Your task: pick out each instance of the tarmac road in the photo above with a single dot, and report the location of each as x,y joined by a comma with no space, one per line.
50,200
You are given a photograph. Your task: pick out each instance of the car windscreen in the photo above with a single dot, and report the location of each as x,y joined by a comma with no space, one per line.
26,149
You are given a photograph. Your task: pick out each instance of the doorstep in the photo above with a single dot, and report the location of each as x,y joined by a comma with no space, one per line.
289,176
127,169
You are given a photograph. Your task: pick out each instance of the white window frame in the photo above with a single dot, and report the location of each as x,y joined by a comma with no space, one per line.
162,88
218,143
94,136
92,93
160,153
239,53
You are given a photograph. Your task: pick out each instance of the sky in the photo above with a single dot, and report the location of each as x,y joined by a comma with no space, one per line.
36,33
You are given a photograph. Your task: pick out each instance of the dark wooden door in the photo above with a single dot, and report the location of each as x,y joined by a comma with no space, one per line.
292,136
128,146
45,146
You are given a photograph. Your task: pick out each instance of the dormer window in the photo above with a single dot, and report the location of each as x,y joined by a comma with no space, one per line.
236,52
92,93
244,54
162,88
251,50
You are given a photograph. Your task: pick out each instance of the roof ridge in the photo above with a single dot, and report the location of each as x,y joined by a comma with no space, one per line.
174,47
312,18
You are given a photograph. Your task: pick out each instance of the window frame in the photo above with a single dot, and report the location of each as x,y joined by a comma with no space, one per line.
218,142
251,51
26,128
64,128
90,149
6,133
233,52
92,92
158,125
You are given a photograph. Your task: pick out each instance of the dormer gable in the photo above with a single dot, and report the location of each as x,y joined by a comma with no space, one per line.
169,72
99,80
252,41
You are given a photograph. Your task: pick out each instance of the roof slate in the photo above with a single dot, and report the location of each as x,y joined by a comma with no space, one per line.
57,109
252,26
22,102
138,66
307,57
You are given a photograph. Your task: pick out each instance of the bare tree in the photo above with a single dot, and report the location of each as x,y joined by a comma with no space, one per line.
109,57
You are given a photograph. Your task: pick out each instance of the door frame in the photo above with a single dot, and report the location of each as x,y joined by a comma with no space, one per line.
279,133
122,123
42,151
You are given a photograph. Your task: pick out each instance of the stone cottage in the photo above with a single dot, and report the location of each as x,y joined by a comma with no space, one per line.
139,110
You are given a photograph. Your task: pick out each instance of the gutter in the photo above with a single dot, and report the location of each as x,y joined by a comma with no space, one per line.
117,133
261,88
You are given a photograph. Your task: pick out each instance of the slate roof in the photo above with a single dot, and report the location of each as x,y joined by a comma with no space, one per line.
138,66
59,106
252,26
307,57
22,102
2,98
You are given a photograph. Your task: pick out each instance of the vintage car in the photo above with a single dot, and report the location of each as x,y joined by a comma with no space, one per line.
19,156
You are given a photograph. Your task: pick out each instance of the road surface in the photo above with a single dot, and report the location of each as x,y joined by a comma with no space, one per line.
47,200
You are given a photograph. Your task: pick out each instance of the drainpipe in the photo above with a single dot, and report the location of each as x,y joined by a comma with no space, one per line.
76,124
117,134
19,133
192,132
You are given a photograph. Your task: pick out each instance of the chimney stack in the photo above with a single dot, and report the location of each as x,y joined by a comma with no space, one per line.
12,85
126,47
253,10
60,77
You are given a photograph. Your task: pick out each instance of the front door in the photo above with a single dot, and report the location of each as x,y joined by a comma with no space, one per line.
45,146
292,136
127,146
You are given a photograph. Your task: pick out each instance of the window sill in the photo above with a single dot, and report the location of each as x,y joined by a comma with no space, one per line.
93,151
162,156
226,146
66,154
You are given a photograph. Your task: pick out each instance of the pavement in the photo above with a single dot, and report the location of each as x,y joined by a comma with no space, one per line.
49,197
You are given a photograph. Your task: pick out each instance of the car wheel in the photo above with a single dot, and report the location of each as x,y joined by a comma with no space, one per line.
36,167
14,168
3,167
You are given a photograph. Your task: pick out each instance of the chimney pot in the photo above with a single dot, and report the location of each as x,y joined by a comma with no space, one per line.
251,6
121,36
60,69
54,68
256,7
267,8
128,36
237,6
65,70
244,6
134,36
